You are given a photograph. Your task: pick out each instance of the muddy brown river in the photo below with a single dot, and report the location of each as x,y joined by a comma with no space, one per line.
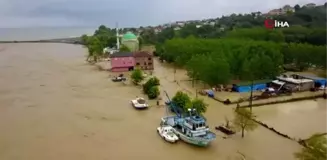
53,105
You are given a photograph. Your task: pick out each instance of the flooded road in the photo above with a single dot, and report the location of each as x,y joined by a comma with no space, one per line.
53,105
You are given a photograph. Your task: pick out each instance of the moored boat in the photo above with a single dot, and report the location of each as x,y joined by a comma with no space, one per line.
190,127
139,103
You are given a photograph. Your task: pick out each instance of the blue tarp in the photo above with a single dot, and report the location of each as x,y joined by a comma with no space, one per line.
247,88
210,93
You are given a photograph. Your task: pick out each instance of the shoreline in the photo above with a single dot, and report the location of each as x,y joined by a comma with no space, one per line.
73,40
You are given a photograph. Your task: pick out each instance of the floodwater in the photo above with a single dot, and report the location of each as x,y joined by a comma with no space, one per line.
53,105
297,119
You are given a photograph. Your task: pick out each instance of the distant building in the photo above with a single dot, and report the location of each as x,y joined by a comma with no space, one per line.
284,10
130,40
275,12
122,61
143,60
128,61
310,5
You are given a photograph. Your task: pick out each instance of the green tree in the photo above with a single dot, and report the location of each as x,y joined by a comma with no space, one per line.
243,120
95,49
154,81
315,148
124,48
153,92
213,66
195,66
198,105
297,7
181,99
84,39
137,76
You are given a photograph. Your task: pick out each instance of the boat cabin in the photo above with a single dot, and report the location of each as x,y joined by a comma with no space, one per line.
195,126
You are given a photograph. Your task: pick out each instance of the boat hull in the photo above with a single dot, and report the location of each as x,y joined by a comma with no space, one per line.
193,141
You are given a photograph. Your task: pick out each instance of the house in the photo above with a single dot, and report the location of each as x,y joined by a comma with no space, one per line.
296,83
122,61
275,12
143,60
287,8
318,81
310,5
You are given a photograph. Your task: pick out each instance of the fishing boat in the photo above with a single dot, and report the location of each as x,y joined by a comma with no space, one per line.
189,127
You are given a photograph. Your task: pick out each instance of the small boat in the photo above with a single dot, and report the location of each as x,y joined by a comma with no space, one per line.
139,103
167,133
225,129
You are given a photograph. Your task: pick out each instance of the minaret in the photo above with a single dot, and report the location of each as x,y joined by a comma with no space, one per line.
117,35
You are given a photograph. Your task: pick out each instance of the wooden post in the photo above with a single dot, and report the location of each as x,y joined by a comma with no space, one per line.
196,93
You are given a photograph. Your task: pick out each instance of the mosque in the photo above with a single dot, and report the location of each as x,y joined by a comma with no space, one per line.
130,40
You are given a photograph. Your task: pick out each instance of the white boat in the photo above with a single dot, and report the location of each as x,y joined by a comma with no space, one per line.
139,103
167,133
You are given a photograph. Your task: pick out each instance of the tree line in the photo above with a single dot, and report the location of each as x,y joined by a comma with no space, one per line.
217,61
307,26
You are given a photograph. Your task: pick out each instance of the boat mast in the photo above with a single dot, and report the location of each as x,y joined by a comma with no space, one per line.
117,35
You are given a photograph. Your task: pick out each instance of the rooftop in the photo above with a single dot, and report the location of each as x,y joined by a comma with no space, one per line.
295,81
142,54
121,54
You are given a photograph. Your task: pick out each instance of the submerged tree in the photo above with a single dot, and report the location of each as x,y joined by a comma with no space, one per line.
154,92
181,99
315,148
198,105
137,76
154,81
243,120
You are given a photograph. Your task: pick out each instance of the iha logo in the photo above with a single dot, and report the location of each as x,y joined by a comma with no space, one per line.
270,24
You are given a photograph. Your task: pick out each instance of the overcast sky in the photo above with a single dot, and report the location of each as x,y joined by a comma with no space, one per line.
129,13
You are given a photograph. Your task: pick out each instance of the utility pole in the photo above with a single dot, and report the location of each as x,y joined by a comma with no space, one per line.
174,72
196,93
117,36
251,95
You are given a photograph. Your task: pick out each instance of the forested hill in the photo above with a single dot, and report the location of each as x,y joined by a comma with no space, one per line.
307,25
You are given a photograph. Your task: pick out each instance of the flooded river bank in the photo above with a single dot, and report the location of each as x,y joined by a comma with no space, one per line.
53,105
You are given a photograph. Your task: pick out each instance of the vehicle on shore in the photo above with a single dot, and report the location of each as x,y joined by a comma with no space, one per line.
167,133
139,103
119,78
189,127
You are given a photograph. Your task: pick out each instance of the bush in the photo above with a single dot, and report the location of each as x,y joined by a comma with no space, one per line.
153,92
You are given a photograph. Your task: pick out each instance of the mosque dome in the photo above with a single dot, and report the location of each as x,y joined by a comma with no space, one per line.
129,36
